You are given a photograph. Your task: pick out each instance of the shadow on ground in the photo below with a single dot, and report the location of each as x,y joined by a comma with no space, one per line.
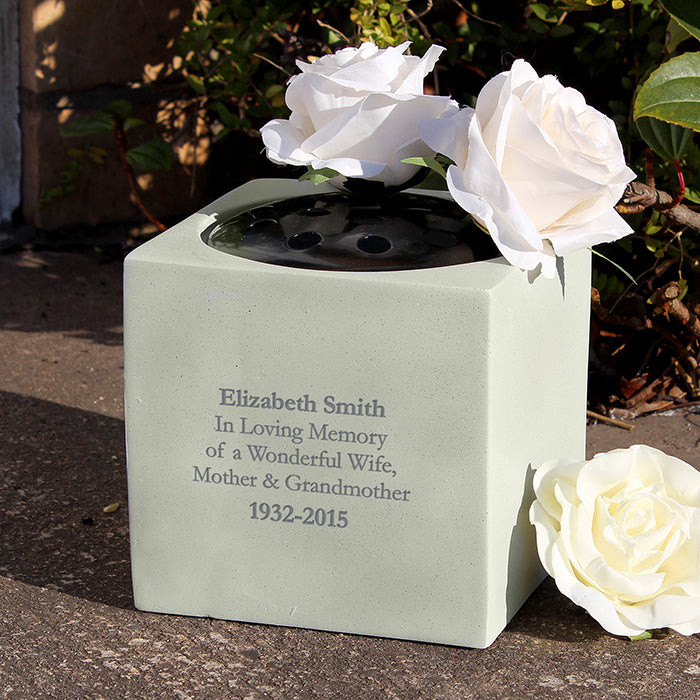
44,292
59,468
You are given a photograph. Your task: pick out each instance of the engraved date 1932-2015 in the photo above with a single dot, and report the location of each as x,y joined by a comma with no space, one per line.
276,513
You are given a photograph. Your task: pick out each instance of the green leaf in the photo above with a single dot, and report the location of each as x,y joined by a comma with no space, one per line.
692,194
98,122
670,141
614,264
675,35
653,246
542,11
561,30
319,176
385,27
97,155
132,122
151,156
575,5
672,92
228,119
274,90
122,108
431,163
197,84
686,13
537,25
216,12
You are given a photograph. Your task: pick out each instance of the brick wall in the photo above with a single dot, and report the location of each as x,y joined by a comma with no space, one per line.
79,55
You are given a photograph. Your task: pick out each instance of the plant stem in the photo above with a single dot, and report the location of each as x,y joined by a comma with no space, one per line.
681,186
120,138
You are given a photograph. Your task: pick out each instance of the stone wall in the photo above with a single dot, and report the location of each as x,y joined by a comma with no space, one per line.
77,56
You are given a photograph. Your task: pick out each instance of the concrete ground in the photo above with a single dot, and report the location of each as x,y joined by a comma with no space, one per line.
68,628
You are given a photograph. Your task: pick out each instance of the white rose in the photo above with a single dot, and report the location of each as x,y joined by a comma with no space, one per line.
535,166
620,534
356,112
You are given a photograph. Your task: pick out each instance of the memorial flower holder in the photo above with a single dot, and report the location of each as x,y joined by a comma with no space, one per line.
335,404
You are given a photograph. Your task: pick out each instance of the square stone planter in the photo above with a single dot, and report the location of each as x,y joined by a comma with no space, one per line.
346,451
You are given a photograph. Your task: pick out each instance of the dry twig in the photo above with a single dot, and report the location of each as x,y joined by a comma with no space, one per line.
667,298
639,196
609,421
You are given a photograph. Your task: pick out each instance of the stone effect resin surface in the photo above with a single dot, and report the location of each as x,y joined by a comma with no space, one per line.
347,451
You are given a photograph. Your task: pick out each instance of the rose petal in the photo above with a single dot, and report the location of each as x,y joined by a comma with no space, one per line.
597,604
547,534
606,472
481,190
374,74
682,568
554,478
680,478
356,134
283,143
605,228
666,611
412,83
498,89
319,101
350,167
448,135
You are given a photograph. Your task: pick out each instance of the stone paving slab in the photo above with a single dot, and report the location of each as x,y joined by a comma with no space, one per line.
68,628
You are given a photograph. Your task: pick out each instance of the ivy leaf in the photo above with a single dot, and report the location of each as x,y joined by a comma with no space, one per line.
686,13
670,141
151,156
672,92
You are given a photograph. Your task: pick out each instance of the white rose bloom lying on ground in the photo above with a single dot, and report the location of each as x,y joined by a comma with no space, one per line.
356,112
535,166
620,534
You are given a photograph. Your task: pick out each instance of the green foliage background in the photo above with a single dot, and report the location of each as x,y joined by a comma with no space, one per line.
635,60
237,57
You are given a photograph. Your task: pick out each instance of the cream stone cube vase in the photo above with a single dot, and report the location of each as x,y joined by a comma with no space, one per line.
333,425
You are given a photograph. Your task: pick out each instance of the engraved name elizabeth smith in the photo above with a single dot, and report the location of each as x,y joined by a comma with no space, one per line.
301,437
